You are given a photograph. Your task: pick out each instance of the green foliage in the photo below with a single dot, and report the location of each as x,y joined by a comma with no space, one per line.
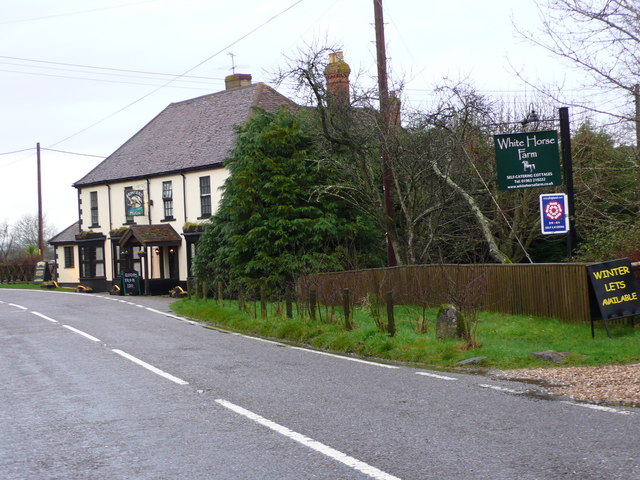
270,227
507,340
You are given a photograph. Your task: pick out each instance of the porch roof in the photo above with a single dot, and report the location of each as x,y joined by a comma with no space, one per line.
151,235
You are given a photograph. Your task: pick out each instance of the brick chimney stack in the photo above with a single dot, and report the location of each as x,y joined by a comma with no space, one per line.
237,80
337,75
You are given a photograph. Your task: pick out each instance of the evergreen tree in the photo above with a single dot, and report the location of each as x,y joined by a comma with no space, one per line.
271,226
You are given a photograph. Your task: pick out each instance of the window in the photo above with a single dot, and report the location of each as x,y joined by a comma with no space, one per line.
94,209
167,199
68,257
205,197
91,261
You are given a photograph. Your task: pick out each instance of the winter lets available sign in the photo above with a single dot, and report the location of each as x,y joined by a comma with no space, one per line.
527,160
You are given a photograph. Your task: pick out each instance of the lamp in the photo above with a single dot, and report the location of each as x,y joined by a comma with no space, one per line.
531,117
157,250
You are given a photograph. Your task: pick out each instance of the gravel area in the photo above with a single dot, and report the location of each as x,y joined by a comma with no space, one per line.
608,384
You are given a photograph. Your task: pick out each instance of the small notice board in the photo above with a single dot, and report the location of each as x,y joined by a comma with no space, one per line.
614,289
130,282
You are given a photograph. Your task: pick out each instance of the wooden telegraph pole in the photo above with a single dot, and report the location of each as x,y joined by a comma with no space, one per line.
387,173
40,227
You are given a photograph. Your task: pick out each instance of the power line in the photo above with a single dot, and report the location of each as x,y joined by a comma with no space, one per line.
68,14
181,75
18,151
103,80
73,153
93,67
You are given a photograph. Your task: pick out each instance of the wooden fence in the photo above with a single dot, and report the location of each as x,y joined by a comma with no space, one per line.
17,272
547,290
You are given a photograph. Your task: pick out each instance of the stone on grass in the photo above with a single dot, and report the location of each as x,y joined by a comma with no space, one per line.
448,323
470,361
551,356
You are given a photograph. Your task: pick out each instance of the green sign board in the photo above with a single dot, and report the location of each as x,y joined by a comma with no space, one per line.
527,160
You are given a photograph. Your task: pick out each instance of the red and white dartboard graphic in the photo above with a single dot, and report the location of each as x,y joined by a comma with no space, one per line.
553,210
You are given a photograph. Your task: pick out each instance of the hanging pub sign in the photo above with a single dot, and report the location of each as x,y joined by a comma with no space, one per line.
134,202
527,160
554,215
614,289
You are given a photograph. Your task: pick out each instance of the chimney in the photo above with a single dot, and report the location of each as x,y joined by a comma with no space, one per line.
237,80
337,75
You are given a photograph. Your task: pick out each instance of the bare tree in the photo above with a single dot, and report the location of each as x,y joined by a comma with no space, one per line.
602,39
25,232
6,242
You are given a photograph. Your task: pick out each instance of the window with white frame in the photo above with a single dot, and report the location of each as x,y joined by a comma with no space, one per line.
205,197
167,199
94,209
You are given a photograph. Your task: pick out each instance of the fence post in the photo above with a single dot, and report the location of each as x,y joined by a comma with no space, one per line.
391,322
346,305
289,303
263,301
313,298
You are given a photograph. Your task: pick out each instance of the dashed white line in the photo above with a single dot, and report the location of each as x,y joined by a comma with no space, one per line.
500,389
151,368
80,332
171,316
263,340
351,462
45,317
345,358
600,408
434,375
18,306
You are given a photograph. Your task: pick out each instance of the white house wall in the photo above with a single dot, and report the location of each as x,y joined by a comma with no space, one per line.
111,209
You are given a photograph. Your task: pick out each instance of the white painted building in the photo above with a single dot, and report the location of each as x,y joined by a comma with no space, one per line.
144,206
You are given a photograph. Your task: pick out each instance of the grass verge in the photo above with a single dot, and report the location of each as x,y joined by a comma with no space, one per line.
507,341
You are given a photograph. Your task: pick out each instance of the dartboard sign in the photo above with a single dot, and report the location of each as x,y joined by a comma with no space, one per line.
554,215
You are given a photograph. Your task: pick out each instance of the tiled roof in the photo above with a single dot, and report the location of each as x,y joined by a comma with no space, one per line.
152,235
68,235
192,134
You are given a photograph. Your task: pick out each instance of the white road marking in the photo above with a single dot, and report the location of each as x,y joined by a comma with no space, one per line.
500,389
170,315
45,317
80,332
345,358
151,368
310,443
433,375
264,340
18,306
600,407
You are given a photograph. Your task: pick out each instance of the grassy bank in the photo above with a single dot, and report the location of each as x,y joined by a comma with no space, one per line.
506,340
31,286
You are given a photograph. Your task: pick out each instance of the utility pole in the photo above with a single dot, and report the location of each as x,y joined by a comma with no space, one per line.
387,172
567,163
40,228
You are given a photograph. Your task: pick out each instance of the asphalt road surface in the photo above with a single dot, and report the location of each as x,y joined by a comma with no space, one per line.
99,387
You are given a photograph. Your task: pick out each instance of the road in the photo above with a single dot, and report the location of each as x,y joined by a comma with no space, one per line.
97,387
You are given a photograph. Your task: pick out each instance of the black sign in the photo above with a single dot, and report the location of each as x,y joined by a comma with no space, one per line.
130,280
614,289
42,273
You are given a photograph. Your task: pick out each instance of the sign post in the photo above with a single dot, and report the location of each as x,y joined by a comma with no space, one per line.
615,290
554,214
527,160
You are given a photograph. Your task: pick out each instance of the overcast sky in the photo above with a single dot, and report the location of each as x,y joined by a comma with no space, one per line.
83,77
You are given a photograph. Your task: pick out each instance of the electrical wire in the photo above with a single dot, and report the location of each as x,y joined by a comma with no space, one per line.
68,14
181,75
